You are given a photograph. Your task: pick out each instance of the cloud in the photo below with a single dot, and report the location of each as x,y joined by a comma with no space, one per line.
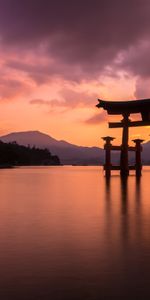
40,102
79,39
70,99
74,98
97,118
12,89
142,88
135,59
73,42
43,71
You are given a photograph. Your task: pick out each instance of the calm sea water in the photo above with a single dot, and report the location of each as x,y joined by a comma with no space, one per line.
67,233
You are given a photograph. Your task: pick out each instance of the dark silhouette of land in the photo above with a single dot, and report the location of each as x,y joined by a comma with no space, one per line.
12,154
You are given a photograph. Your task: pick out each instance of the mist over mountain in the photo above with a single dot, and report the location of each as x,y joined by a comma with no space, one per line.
67,152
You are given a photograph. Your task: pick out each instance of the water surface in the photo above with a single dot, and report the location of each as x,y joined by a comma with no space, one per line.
66,233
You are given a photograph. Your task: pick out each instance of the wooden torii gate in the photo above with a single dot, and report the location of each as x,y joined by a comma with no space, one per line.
125,108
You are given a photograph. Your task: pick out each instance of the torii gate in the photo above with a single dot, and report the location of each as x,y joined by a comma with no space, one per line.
125,108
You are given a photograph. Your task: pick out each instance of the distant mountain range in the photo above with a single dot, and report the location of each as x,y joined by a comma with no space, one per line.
68,153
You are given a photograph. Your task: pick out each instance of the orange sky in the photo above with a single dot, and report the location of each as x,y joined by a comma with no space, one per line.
20,112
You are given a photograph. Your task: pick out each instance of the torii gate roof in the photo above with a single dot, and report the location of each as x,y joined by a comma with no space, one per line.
121,107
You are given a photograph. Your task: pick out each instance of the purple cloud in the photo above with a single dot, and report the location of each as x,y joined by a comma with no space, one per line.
97,119
69,98
79,38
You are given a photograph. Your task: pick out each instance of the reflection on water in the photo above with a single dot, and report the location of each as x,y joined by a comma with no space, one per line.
69,233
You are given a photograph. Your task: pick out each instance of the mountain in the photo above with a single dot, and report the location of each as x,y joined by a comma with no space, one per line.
68,153
146,153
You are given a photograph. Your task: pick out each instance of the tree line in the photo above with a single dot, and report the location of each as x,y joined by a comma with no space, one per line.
17,155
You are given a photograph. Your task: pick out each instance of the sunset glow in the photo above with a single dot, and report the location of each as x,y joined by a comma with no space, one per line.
55,64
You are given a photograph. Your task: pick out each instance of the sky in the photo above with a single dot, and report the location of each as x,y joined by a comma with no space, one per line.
58,57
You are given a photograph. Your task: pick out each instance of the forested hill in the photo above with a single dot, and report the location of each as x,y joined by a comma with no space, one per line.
15,155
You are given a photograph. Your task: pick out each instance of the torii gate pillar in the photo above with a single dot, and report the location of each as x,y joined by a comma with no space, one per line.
108,147
124,166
